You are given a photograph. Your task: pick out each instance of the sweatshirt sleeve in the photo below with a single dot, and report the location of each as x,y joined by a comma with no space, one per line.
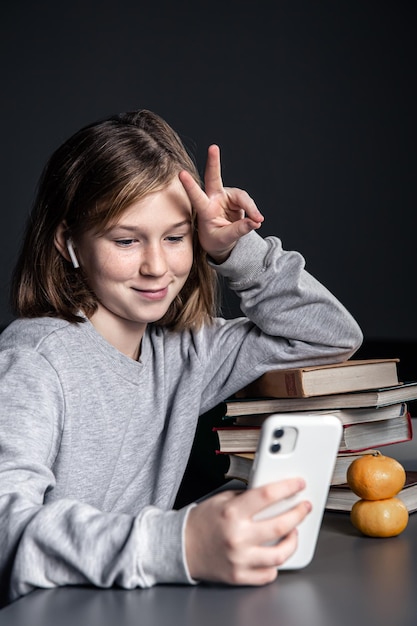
71,543
48,543
290,319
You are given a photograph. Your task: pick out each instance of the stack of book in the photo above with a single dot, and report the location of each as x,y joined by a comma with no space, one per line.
366,395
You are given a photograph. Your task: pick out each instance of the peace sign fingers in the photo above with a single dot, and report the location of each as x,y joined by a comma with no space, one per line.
224,215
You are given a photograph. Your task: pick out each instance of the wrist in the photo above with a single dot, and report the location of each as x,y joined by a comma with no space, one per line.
220,257
190,547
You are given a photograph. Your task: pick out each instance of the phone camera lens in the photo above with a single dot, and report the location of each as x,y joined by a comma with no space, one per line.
275,447
278,433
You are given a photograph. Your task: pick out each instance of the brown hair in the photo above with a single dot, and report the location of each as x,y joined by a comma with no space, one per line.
88,183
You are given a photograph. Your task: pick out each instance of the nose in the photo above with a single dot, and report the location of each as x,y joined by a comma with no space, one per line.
153,262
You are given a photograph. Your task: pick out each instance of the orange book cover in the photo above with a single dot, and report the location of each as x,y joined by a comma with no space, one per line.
315,380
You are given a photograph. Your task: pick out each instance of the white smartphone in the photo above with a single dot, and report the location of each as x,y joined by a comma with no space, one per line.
304,446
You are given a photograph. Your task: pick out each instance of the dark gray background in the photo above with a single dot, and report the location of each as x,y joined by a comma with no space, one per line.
312,103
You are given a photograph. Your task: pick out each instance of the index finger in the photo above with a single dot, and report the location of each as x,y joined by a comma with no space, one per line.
258,498
193,190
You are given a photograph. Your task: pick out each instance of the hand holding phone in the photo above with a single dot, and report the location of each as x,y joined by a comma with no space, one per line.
303,446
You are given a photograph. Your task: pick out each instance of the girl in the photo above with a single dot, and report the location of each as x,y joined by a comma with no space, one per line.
116,352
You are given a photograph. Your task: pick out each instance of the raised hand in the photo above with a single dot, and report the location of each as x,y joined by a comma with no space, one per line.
224,214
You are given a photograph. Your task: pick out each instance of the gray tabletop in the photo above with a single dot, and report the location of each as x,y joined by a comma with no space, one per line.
352,581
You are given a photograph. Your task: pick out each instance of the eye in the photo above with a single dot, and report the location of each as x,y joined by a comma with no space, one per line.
124,243
175,239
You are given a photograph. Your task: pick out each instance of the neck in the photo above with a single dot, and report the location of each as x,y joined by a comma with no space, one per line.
124,335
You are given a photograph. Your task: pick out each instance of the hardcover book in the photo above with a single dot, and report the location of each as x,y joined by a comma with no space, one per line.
355,437
317,380
342,498
240,465
377,397
346,416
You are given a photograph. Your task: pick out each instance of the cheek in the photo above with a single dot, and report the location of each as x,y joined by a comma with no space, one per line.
184,262
103,268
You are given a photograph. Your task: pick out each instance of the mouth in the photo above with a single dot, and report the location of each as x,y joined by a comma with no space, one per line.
152,294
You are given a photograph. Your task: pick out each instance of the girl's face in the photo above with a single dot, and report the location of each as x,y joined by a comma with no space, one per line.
138,267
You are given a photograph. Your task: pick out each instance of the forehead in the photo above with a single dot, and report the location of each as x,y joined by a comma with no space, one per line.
171,203
173,197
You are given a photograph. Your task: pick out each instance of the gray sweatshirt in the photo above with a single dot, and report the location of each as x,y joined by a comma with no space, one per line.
93,445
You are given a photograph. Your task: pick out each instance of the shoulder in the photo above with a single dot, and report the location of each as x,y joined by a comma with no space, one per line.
31,333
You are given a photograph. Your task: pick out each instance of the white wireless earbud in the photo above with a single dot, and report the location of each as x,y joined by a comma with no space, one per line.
71,252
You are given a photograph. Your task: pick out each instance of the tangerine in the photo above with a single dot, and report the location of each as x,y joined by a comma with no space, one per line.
380,518
375,476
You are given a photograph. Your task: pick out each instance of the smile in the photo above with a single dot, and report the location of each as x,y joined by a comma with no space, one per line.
152,294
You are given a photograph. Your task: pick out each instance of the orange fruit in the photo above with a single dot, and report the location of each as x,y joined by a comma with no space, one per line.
375,476
379,518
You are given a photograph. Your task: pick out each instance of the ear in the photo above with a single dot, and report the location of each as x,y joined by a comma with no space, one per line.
60,240
64,244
